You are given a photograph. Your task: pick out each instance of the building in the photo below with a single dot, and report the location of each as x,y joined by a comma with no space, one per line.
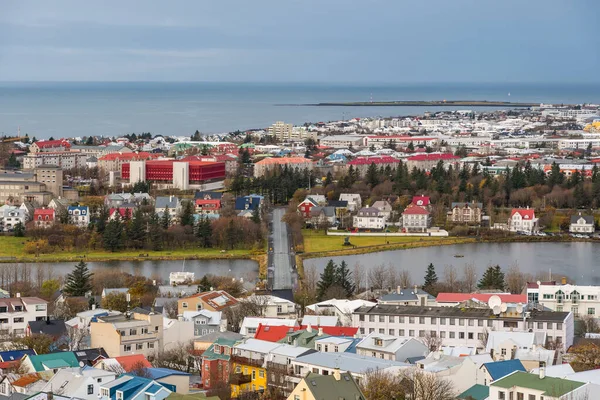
504,345
388,347
353,199
288,133
12,217
399,141
52,178
361,164
249,358
323,216
582,224
407,297
49,362
499,369
416,218
369,218
216,370
343,308
129,387
79,215
62,159
341,141
579,299
273,306
44,217
135,333
466,213
454,299
115,161
250,325
523,220
430,160
316,387
168,174
522,385
337,344
49,146
384,207
167,202
460,326
16,188
305,206
209,207
216,300
273,163
123,364
79,383
205,321
17,312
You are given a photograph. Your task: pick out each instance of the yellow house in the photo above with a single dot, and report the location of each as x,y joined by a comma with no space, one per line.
337,386
249,366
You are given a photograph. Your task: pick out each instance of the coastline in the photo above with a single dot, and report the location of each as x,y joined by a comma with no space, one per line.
420,103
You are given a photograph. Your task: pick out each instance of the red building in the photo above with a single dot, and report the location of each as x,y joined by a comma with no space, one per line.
208,206
173,173
305,207
43,217
50,145
276,333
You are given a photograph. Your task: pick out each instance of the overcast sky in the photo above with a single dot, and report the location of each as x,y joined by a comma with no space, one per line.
301,41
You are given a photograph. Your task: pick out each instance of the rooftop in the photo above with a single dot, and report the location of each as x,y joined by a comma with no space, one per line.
350,362
550,386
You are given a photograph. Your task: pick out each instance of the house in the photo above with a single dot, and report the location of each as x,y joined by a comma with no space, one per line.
120,335
249,358
579,299
90,356
15,355
407,296
216,300
128,387
123,212
316,387
460,326
81,383
440,364
582,224
79,215
17,312
388,347
343,308
475,392
353,200
208,206
286,334
536,356
337,344
49,146
123,364
273,306
523,220
167,202
55,328
273,163
416,218
384,208
49,362
280,373
216,369
205,341
323,216
369,218
171,378
84,318
305,206
59,204
504,345
107,291
12,217
521,385
29,209
499,369
304,337
208,195
250,324
43,217
205,321
469,372
248,203
465,213
320,320
18,386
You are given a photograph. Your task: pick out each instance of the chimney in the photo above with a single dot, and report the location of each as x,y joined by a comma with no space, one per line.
336,374
563,281
415,289
94,306
542,370
398,289
50,396
320,332
309,328
19,294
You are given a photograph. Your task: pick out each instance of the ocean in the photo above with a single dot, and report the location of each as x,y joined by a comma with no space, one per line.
77,109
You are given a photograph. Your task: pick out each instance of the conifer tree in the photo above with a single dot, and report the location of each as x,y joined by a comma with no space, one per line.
113,235
136,230
165,221
204,231
186,216
256,216
204,285
493,278
328,278
372,175
431,279
155,234
78,282
344,278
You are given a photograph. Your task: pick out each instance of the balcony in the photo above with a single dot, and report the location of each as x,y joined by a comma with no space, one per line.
251,362
239,379
276,368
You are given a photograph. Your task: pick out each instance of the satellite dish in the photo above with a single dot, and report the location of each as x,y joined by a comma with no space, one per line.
497,310
494,301
503,307
520,308
539,283
81,364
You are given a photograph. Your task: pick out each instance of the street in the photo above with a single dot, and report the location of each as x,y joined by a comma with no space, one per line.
281,261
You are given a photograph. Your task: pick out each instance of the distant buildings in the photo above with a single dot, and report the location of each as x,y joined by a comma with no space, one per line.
271,163
166,174
38,186
466,213
288,133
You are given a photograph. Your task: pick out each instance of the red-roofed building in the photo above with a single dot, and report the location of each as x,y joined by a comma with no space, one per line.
361,164
523,220
421,201
115,161
133,361
43,217
123,212
399,140
208,206
430,160
453,299
277,333
166,174
416,218
50,145
216,300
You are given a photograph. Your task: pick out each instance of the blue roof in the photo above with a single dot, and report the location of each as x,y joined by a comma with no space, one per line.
133,386
153,389
500,369
352,347
14,355
248,202
157,373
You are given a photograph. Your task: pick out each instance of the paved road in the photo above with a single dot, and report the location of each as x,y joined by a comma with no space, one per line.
281,261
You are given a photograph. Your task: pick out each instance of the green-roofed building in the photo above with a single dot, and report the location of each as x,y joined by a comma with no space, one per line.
216,363
523,385
475,392
303,338
318,387
50,362
192,396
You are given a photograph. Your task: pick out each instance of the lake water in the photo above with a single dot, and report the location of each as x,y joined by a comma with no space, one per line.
580,261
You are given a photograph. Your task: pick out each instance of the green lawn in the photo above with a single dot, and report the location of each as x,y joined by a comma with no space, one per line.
12,247
317,241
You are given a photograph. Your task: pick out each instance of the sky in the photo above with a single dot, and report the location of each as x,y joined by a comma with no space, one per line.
359,41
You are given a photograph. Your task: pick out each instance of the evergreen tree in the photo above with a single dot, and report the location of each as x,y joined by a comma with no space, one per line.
256,216
13,162
328,279
19,229
113,235
78,282
493,278
89,141
328,179
154,232
372,175
204,285
186,215
165,221
204,232
136,230
344,278
431,279
102,218
411,147
556,176
63,216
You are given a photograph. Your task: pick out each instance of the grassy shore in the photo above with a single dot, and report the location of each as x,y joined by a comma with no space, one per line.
11,250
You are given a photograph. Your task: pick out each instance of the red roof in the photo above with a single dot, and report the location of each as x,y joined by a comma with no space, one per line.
526,213
44,211
374,160
401,137
276,333
420,200
484,297
412,209
122,211
433,157
142,155
133,361
43,144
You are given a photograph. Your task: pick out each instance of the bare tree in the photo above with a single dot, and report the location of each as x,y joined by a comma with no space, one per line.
587,324
180,358
77,337
382,385
377,277
427,386
469,278
515,279
359,278
170,308
432,341
450,278
485,335
405,279
393,276
253,306
311,278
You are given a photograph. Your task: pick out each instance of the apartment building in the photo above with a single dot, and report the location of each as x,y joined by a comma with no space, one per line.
138,332
63,159
272,163
387,347
38,187
577,299
17,312
341,141
49,146
460,326
466,213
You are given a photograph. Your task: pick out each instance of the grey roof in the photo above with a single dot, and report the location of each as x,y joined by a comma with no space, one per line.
54,327
328,211
213,336
589,219
166,201
424,311
350,362
373,210
328,387
464,204
405,295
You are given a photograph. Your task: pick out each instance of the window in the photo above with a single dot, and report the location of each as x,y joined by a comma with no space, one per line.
422,320
549,325
371,318
279,309
382,318
127,347
150,345
90,389
452,335
442,321
421,333
442,334
319,347
253,374
411,320
119,395
433,321
401,320
336,349
17,320
461,322
184,304
480,336
558,339
382,331
391,332
591,311
411,333
452,321
461,335
362,331
361,317
503,352
401,332
520,396
531,397
471,322
501,396
139,346
3,309
133,331
326,348
489,323
540,325
479,322
559,326
104,392
470,335
261,373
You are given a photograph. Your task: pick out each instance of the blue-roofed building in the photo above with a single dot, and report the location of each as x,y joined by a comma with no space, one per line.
79,215
49,362
248,203
129,387
475,392
180,380
499,369
15,355
208,195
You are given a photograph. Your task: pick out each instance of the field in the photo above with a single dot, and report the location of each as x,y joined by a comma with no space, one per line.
11,250
319,242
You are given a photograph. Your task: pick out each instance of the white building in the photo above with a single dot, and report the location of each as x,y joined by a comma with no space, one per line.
577,299
522,385
523,220
17,312
273,306
388,347
504,345
79,215
582,224
250,324
369,218
460,326
353,199
79,383
334,344
11,217
343,308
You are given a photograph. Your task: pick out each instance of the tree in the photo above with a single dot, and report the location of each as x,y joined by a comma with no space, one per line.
515,279
427,386
450,278
39,342
48,288
493,278
585,356
205,285
469,278
79,281
431,279
382,385
256,216
136,230
344,279
115,302
165,220
432,341
186,215
13,162
19,229
113,235
372,177
204,231
155,236
328,278
587,324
